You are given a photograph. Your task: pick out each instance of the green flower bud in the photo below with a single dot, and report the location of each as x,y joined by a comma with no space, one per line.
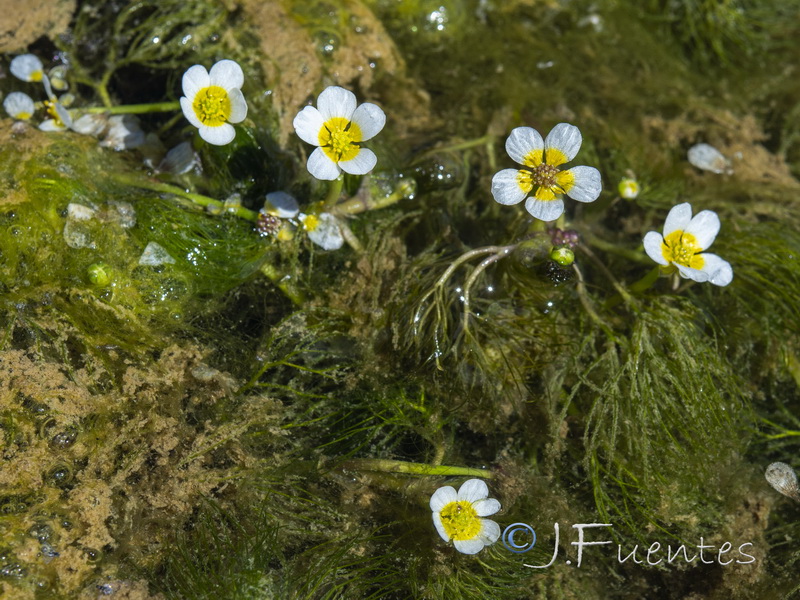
99,274
563,256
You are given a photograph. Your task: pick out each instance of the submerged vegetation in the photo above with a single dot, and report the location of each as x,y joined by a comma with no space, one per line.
200,400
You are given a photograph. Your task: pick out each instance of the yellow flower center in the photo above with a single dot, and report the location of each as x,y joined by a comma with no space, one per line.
548,180
460,521
339,139
682,248
311,222
212,106
36,76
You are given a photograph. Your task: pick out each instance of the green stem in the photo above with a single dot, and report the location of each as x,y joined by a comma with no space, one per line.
646,282
398,466
133,109
286,284
357,205
631,255
334,191
465,145
199,199
637,287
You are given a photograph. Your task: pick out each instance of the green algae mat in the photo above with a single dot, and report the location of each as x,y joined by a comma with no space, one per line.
383,299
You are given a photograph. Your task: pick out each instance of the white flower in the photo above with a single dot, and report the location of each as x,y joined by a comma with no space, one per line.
27,67
323,230
457,516
684,243
213,100
19,106
61,118
338,127
541,175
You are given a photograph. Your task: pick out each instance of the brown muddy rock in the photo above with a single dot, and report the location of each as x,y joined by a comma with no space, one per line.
134,470
306,47
22,23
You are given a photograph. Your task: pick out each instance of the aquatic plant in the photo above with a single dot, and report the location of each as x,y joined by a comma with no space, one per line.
202,399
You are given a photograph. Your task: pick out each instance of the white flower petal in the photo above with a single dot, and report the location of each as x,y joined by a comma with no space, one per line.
362,164
19,105
468,546
227,74
704,226
188,112
327,234
219,136
522,141
124,133
473,490
27,67
90,124
179,160
587,184
546,210
335,101
442,497
51,125
708,158
437,522
307,125
490,532
505,187
370,120
719,271
194,79
64,115
564,138
238,106
693,274
282,205
652,246
678,218
486,507
322,167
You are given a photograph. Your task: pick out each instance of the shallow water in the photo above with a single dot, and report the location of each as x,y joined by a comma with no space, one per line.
199,402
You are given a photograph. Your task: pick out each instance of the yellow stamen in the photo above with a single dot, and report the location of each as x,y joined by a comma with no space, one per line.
460,521
339,139
212,106
682,249
533,158
50,107
555,157
311,222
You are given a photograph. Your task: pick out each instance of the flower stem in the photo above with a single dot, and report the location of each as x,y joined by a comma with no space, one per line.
399,466
199,199
133,109
358,205
645,282
334,191
284,283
